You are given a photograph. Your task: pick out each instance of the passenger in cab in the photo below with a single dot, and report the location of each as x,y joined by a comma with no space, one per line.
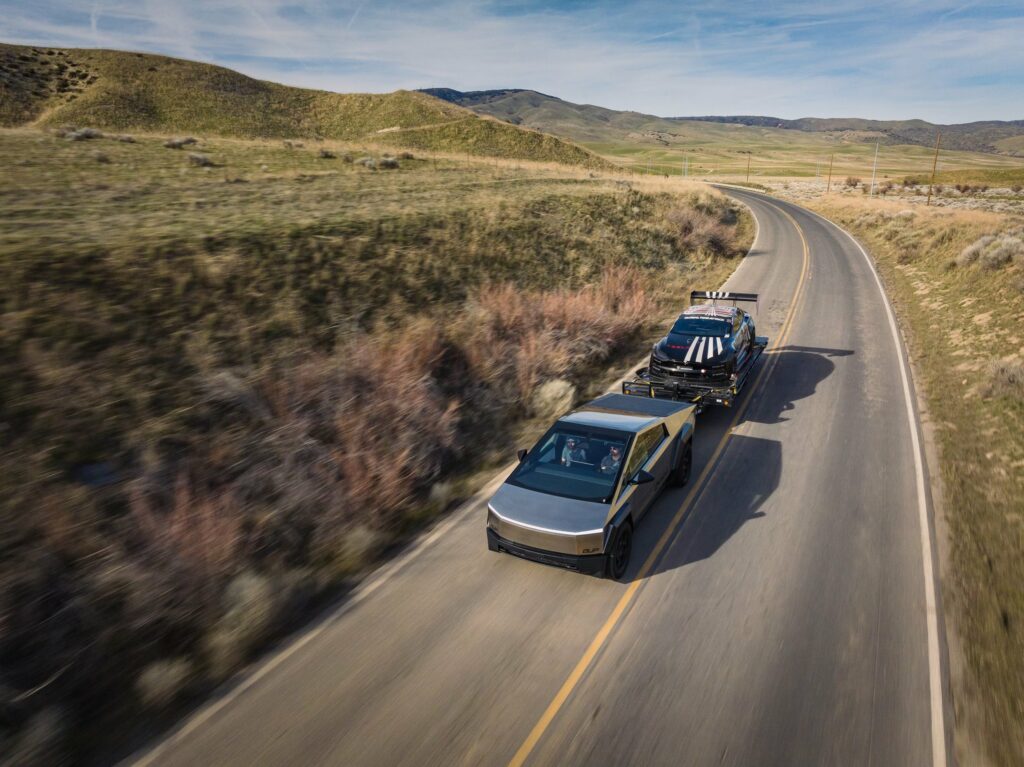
610,463
574,452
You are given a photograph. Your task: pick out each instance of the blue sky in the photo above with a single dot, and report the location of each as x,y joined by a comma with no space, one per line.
937,60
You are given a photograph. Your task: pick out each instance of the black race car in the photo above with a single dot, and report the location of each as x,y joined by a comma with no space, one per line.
707,353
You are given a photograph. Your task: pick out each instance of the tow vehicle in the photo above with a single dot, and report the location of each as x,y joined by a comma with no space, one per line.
576,496
707,355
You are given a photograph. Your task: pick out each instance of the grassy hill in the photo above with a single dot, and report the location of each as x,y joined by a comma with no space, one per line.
121,91
982,136
719,147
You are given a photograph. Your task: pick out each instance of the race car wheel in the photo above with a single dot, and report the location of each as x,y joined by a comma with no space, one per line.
681,474
621,549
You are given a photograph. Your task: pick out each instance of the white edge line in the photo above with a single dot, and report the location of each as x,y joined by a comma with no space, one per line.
931,590
358,594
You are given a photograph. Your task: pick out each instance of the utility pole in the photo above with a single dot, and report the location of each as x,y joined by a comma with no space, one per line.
830,159
748,167
935,166
874,168
686,166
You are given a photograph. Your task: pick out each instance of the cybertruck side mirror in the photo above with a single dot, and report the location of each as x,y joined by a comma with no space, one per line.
642,478
521,454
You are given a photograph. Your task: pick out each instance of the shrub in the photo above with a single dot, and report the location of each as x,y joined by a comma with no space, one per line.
852,181
1002,252
83,134
971,253
200,160
180,143
697,230
101,158
367,162
326,154
1017,188
388,162
1006,379
164,681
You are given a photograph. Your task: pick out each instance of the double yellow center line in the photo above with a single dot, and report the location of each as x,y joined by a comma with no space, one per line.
629,595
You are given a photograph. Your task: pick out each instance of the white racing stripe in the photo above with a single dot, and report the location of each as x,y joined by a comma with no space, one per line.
690,351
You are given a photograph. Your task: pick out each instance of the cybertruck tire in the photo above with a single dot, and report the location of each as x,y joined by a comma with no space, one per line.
620,551
681,474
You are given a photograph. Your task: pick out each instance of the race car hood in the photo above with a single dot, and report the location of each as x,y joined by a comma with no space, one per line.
694,349
545,512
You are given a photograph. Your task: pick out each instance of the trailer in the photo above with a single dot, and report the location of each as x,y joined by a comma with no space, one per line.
699,394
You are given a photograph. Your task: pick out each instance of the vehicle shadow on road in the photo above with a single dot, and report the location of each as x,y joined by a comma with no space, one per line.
747,474
797,373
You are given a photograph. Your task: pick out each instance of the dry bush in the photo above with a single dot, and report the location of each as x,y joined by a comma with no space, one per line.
197,531
1006,379
326,154
852,181
200,160
1017,188
971,253
1002,252
83,134
516,340
180,143
993,251
698,230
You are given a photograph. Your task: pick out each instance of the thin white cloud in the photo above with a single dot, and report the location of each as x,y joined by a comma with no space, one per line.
940,60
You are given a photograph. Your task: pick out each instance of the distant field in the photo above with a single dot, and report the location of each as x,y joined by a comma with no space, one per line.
720,150
716,151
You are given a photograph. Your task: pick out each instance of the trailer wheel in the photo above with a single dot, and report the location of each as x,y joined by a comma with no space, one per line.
681,474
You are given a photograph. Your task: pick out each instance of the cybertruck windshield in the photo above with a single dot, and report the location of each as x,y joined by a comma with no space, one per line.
574,461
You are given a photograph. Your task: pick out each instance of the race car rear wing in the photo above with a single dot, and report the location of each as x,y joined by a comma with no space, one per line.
723,295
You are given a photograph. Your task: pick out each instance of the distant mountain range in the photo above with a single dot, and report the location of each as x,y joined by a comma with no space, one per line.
588,123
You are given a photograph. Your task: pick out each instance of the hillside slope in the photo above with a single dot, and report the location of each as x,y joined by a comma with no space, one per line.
587,123
982,136
121,91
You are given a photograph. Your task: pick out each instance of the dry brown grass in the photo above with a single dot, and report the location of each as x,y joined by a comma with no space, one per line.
211,393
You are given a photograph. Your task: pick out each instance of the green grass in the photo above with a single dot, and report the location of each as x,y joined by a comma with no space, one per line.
121,91
720,152
965,334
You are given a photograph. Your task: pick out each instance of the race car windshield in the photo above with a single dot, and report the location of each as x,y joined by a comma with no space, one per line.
573,461
701,326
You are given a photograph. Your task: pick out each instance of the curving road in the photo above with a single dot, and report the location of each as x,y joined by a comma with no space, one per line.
777,612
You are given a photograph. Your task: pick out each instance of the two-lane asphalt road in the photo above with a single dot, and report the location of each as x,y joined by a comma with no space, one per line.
777,612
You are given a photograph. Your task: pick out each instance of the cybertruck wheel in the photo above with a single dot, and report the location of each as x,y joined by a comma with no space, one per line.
621,550
681,474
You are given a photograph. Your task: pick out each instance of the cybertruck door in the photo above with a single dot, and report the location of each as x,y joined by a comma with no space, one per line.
650,454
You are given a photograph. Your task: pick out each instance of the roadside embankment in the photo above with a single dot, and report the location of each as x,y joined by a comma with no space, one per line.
228,388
